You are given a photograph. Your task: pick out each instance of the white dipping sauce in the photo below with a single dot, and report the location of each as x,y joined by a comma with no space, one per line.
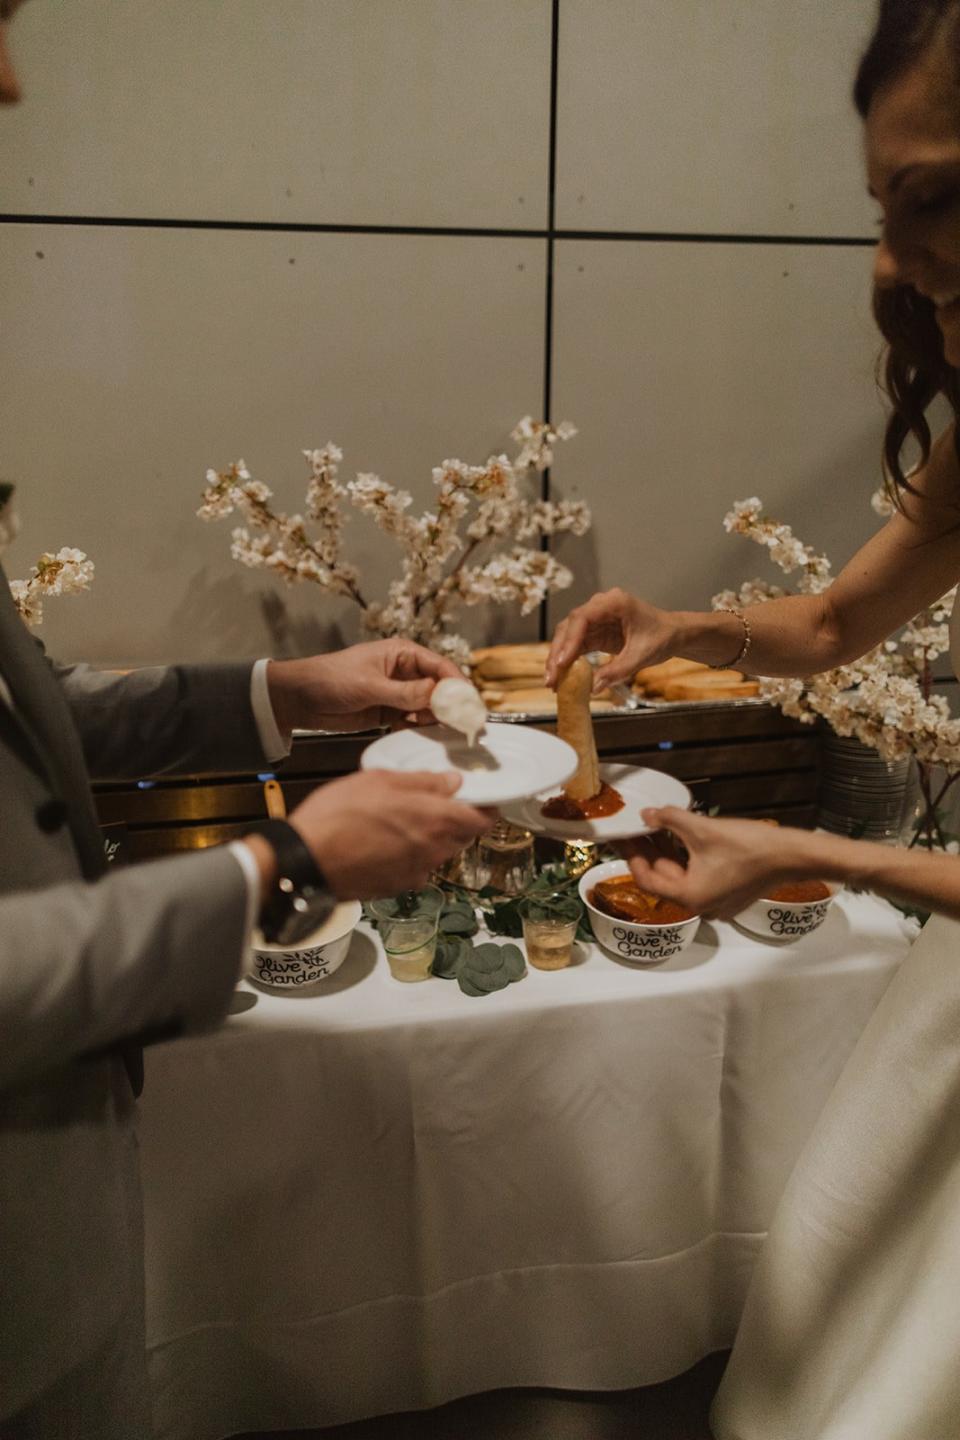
458,704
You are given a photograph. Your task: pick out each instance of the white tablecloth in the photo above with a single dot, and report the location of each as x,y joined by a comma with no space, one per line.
386,1196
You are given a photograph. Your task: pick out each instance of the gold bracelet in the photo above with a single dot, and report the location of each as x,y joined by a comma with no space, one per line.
747,637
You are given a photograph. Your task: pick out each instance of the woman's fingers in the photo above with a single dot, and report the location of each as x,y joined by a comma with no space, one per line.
682,823
620,667
567,644
663,877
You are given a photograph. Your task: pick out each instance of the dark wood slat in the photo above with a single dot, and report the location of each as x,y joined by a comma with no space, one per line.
153,844
739,760
703,723
802,816
761,792
170,803
790,753
176,840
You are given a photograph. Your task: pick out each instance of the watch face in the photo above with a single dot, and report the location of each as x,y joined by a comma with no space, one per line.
306,913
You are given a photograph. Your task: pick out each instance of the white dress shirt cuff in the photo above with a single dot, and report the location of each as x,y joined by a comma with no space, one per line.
275,745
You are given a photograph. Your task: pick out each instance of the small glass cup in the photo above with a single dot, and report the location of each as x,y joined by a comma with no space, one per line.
549,929
502,858
505,858
407,926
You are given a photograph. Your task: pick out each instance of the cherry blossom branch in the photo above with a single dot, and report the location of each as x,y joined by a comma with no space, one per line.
436,573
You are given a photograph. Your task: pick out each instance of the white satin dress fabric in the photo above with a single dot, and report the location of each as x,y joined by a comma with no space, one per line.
851,1329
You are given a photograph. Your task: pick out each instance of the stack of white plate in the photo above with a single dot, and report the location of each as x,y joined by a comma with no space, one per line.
860,794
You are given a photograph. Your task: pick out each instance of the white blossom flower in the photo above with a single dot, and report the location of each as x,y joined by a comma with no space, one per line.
66,573
881,503
444,559
537,440
883,698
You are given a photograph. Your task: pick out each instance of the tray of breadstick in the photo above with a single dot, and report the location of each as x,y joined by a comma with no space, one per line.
596,802
677,682
510,680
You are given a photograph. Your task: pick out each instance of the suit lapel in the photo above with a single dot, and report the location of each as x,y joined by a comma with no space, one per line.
47,729
42,732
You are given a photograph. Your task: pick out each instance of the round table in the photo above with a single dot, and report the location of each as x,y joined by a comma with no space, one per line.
381,1196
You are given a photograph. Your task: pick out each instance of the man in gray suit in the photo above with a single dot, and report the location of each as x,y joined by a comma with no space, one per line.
94,964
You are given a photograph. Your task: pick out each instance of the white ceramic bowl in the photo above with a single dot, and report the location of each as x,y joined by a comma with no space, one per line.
293,967
639,944
785,920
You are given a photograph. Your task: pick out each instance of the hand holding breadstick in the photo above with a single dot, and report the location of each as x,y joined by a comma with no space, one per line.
575,725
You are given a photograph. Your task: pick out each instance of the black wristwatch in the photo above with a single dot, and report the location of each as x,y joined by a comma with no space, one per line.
300,899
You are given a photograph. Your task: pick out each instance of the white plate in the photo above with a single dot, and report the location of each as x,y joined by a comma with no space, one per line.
507,763
639,787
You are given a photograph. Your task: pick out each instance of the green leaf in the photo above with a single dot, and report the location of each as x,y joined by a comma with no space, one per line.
487,983
513,961
468,987
505,919
459,919
911,911
584,928
451,953
486,958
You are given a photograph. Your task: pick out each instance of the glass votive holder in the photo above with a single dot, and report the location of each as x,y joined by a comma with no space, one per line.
407,926
550,929
502,858
505,858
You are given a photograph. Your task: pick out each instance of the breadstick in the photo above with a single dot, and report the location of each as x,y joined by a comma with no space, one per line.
576,727
651,677
537,700
511,682
730,690
535,649
505,667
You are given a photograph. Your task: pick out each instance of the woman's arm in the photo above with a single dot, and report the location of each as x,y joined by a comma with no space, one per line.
907,565
732,862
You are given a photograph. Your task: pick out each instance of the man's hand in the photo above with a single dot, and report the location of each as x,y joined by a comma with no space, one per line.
635,632
729,863
357,688
381,832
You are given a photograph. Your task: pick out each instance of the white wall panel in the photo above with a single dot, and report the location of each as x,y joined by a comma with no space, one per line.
694,116
425,112
700,375
132,359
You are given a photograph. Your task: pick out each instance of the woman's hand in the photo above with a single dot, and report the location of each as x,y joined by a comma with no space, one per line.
357,688
635,632
729,862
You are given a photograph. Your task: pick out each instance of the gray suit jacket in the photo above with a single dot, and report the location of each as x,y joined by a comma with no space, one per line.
91,962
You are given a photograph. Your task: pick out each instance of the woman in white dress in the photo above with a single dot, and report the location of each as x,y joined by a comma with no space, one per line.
852,1325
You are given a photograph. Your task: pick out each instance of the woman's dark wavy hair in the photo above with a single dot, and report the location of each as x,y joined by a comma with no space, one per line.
914,370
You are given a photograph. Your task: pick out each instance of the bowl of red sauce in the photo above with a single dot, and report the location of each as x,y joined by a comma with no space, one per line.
630,923
790,911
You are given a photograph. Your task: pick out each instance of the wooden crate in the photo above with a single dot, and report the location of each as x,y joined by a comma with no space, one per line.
738,760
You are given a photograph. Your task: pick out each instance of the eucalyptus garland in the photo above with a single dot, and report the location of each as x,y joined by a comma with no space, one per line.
480,969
